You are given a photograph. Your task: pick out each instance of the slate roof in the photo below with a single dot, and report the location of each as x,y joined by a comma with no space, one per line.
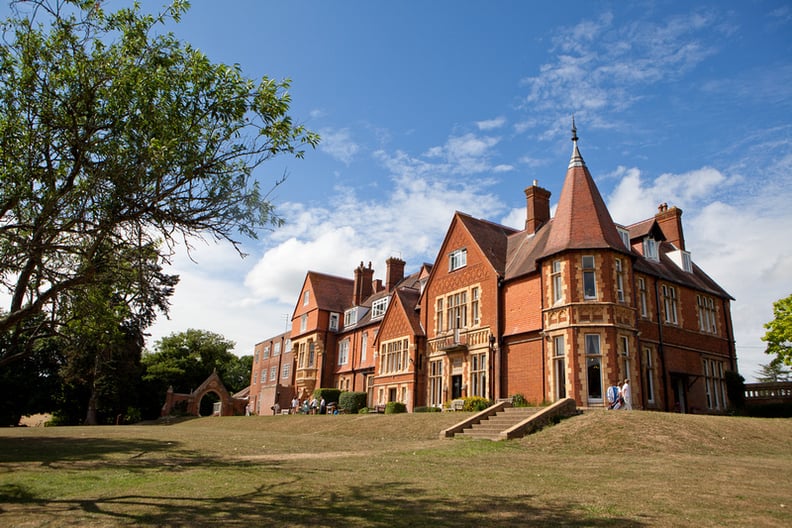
331,293
490,237
666,269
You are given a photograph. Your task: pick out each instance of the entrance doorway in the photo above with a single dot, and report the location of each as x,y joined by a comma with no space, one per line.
679,383
456,386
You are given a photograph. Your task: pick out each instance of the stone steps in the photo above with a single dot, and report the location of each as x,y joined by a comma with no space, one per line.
491,428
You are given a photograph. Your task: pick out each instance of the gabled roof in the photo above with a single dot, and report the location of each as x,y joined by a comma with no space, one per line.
581,220
411,282
408,299
491,238
525,250
645,228
330,293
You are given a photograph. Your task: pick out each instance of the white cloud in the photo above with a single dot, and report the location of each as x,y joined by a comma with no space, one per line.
338,144
466,154
599,66
491,124
736,243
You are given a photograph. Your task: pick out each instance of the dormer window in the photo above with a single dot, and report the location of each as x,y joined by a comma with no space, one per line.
625,236
350,317
682,259
457,259
650,248
378,307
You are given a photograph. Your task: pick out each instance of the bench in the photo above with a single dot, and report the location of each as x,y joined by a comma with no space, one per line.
457,405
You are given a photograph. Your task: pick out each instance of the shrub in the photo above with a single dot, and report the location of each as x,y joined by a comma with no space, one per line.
518,400
364,410
395,408
330,394
352,401
735,389
132,415
424,409
475,403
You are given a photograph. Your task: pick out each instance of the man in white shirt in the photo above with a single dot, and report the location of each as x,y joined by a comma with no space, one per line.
626,395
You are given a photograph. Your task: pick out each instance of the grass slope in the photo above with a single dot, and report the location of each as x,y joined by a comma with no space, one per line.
598,469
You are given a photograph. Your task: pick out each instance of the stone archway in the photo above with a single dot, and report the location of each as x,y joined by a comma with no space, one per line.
229,405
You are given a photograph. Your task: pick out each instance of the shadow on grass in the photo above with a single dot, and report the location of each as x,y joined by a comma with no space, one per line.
48,450
356,507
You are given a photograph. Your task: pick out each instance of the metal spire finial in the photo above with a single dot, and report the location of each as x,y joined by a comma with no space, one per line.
574,129
577,159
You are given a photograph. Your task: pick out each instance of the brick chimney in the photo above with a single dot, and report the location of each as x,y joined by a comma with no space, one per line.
394,272
537,207
363,284
670,222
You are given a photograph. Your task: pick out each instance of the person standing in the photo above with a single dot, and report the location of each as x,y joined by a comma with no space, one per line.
613,394
626,395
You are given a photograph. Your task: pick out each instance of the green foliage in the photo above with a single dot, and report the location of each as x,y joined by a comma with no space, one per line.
237,373
31,386
425,409
476,403
352,401
183,361
395,408
518,400
735,389
779,331
118,141
330,394
774,371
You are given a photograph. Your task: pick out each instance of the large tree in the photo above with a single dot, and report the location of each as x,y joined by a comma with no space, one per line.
116,138
184,360
779,331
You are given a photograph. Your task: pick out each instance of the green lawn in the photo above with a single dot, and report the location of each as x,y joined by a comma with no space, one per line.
598,469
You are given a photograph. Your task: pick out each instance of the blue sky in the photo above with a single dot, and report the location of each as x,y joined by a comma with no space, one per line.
430,107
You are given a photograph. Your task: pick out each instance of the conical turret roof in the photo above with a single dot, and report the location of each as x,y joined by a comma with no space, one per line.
581,220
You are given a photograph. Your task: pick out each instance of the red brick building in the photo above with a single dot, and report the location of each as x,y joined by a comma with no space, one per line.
575,303
563,308
272,375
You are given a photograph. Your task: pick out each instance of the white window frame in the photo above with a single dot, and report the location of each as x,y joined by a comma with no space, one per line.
559,366
594,358
649,375
650,248
625,236
285,371
273,373
350,317
557,284
642,297
343,352
306,297
303,322
363,346
619,280
475,316
436,383
669,304
478,375
276,348
457,259
334,321
379,307
589,271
